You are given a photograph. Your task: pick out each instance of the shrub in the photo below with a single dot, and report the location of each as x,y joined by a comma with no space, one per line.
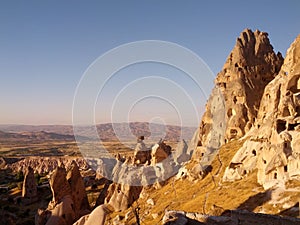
20,176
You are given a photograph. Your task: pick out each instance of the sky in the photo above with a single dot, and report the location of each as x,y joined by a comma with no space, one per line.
46,47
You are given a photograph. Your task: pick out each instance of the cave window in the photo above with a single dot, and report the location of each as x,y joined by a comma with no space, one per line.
223,85
233,132
294,84
234,99
202,154
280,125
231,112
285,168
292,126
275,175
236,65
298,110
254,152
265,162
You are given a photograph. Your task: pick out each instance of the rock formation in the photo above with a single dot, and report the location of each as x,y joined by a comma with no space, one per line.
129,176
141,153
59,186
121,196
251,65
97,216
29,190
69,200
273,143
81,203
43,165
160,152
181,155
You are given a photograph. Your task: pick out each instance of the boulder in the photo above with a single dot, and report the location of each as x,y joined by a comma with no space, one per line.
174,218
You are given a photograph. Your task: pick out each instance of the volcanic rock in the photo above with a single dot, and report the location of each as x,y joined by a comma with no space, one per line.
141,153
160,152
81,203
233,105
121,196
273,143
29,190
69,201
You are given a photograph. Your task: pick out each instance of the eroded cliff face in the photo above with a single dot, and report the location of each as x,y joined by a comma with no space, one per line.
273,143
250,66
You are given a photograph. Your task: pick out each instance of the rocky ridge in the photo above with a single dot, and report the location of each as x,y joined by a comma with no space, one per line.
250,66
272,145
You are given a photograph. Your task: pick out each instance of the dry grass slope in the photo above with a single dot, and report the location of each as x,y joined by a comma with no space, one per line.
209,195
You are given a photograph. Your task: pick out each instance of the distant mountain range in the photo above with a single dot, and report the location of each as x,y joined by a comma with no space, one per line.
34,136
107,132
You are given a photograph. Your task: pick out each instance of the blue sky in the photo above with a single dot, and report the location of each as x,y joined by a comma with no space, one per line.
46,46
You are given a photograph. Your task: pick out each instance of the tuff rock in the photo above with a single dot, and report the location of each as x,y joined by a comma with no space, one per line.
233,105
272,144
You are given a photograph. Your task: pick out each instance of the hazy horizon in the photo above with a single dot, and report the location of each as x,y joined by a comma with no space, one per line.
46,47
83,125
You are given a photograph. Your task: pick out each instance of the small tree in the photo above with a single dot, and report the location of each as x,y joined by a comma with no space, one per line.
37,178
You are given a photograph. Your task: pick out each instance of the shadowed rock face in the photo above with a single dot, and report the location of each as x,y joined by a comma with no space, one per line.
29,190
273,147
250,66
